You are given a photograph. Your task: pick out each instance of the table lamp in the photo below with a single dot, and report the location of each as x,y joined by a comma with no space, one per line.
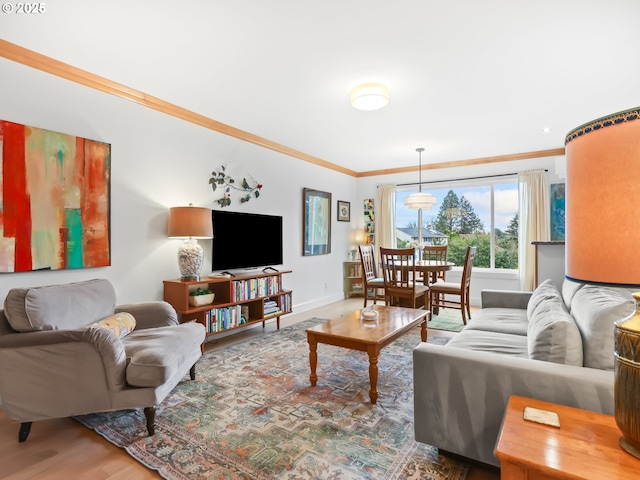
602,242
190,223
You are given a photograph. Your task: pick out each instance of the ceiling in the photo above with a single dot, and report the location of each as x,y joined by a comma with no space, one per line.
468,79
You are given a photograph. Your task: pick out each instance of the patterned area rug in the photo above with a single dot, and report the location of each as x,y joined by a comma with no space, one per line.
448,319
252,414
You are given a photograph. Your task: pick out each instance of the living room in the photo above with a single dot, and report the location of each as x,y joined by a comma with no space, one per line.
159,161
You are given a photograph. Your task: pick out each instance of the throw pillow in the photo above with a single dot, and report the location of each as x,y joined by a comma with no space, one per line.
122,324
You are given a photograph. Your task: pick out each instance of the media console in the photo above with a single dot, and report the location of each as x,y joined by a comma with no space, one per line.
241,300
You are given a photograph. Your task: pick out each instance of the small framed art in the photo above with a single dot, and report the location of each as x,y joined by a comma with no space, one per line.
344,211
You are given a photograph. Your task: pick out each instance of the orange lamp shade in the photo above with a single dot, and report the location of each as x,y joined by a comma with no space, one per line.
603,200
190,222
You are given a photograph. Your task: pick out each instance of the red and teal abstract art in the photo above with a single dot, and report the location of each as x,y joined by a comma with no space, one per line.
55,200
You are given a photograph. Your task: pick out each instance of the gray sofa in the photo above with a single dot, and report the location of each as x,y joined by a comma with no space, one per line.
547,345
69,350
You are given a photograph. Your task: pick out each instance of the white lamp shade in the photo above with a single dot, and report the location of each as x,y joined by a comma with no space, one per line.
369,96
420,200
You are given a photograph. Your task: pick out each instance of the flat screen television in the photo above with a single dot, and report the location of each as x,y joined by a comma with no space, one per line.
245,240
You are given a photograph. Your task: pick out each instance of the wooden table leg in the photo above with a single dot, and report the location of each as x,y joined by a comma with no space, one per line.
313,357
423,330
373,374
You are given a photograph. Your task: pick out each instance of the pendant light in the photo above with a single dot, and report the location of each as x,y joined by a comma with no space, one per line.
421,199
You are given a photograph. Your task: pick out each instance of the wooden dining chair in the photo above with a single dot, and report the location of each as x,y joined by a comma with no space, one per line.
439,254
398,271
441,292
372,283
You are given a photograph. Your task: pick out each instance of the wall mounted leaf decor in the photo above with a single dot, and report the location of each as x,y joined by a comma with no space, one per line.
226,183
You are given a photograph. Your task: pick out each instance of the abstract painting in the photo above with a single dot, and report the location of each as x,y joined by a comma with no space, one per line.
557,211
54,200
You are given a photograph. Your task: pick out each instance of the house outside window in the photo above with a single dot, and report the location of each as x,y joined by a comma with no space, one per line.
481,214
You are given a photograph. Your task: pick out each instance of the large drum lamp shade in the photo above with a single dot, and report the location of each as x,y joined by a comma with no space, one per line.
603,240
603,200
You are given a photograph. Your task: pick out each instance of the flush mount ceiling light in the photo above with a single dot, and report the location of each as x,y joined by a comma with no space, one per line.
369,96
421,199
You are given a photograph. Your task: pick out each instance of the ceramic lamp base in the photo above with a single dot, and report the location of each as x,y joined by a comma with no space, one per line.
627,447
190,258
627,380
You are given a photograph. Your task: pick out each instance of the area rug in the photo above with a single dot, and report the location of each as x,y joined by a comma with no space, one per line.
252,414
448,319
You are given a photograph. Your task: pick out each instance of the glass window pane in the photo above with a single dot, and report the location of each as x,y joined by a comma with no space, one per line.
465,216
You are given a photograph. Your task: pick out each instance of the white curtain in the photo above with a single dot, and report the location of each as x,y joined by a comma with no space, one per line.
385,221
533,188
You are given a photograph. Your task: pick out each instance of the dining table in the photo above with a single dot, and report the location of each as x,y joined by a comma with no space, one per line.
433,267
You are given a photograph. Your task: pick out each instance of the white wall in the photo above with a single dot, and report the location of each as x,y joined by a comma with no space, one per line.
158,162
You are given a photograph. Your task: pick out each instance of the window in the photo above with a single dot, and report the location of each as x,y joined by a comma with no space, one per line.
484,215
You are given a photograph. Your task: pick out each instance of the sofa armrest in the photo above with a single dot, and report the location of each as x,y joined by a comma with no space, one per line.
461,395
504,299
151,314
59,373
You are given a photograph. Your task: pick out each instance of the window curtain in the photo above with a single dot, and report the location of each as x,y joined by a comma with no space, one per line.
385,220
533,190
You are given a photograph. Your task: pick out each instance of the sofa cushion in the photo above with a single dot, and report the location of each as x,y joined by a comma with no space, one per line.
595,309
569,289
493,342
553,335
501,320
545,291
59,307
155,355
122,324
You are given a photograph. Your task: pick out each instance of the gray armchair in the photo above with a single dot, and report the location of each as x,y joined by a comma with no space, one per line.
59,357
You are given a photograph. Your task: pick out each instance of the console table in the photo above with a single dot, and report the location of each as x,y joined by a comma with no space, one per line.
585,446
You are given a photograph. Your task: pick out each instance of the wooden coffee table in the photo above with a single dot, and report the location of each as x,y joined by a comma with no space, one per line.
349,331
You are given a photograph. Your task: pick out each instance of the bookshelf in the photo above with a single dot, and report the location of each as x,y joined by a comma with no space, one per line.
242,300
352,275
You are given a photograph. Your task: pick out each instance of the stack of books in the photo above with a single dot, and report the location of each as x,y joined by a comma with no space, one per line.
270,307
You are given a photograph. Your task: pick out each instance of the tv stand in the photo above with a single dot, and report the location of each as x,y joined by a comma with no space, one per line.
241,300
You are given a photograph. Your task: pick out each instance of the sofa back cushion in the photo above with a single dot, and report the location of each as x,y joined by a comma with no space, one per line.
545,291
569,289
595,309
59,307
552,334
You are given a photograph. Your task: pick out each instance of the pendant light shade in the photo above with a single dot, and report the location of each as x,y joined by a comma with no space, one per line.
420,200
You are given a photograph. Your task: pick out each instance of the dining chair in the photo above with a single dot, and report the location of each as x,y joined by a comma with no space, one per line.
372,283
441,292
398,271
435,253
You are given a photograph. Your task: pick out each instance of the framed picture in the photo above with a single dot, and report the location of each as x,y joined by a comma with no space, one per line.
316,222
557,211
56,191
344,211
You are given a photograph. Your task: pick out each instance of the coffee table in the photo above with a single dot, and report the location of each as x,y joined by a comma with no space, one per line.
349,331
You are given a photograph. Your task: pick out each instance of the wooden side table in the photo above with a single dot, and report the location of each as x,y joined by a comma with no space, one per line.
584,447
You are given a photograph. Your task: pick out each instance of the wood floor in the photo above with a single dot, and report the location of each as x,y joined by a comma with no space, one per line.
64,449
